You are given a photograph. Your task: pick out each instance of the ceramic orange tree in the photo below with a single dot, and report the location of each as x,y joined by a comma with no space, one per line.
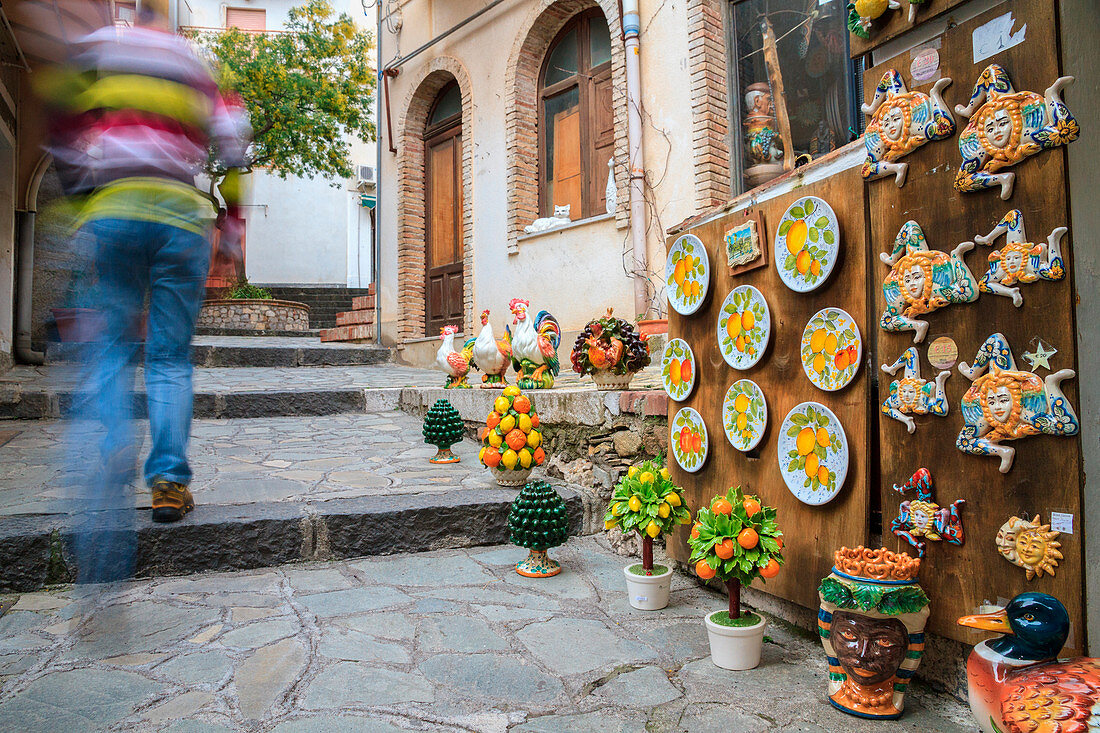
647,502
736,540
512,442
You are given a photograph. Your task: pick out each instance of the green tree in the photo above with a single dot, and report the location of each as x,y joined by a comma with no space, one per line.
305,88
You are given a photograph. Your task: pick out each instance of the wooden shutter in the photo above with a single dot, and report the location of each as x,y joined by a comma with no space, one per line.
568,170
602,137
247,19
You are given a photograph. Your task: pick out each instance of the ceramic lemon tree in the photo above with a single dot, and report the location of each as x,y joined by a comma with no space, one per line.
512,444
737,540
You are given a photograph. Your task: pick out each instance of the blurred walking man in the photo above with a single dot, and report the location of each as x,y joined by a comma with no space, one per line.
138,112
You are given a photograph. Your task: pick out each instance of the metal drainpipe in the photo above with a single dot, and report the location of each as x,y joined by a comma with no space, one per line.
631,23
24,291
375,267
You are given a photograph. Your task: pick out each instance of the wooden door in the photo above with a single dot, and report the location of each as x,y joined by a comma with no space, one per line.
443,276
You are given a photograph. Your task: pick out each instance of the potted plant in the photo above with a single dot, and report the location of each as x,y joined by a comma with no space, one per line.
511,441
647,502
736,540
611,351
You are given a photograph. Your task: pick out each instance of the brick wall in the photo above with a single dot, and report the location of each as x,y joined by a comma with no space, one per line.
710,124
410,195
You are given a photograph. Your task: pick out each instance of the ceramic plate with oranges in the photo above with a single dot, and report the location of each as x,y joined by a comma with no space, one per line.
744,327
831,349
689,439
807,242
678,369
744,414
813,453
687,274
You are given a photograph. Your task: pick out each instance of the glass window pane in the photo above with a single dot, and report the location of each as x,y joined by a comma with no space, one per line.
448,104
600,40
562,59
811,44
563,176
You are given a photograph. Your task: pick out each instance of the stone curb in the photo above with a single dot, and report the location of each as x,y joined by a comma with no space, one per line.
35,550
205,355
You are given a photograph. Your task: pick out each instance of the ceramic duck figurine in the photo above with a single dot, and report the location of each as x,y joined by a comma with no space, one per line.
490,355
1017,684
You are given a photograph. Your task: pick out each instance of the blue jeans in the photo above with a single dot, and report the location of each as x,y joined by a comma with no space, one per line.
133,258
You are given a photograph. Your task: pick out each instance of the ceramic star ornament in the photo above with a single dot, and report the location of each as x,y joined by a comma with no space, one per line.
1040,357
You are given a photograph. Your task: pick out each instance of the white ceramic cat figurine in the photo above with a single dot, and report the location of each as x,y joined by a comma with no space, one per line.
560,218
611,193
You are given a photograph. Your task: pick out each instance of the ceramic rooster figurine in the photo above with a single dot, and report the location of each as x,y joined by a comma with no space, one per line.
534,346
455,363
1016,682
491,356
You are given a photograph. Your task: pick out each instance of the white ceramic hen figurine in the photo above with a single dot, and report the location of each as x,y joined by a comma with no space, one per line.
491,356
455,363
534,346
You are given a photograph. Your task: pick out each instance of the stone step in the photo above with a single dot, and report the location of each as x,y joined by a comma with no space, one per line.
357,334
355,317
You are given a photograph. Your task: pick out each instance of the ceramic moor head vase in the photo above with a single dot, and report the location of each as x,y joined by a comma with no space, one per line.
871,624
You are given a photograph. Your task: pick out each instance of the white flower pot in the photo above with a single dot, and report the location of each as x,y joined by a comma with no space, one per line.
606,380
733,647
648,592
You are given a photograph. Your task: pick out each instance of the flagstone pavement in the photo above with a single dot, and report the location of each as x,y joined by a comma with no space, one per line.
449,640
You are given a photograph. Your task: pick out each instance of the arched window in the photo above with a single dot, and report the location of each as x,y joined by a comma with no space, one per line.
576,122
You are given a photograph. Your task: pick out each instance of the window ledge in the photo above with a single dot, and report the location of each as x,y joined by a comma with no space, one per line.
563,227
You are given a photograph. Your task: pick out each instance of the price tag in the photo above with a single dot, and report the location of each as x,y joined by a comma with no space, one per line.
996,36
1061,522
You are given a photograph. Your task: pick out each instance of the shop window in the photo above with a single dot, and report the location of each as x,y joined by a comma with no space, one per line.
125,12
246,19
796,87
576,123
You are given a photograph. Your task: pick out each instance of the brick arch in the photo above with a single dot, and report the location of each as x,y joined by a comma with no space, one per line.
521,118
410,193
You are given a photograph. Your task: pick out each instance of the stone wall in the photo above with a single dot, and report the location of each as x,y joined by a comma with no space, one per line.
254,315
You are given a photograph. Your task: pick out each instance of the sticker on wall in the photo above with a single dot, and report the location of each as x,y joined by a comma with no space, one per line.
1019,261
687,275
913,395
678,369
807,243
831,349
922,280
922,520
744,414
1030,545
1040,357
689,439
1005,404
943,353
813,453
744,327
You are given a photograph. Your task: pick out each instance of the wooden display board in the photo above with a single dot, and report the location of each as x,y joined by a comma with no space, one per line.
895,22
1046,474
811,534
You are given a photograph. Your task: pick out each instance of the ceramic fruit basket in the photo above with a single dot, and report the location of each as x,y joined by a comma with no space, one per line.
647,502
736,540
512,442
611,351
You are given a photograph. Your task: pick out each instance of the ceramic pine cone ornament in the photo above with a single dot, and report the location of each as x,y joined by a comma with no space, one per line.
538,521
443,428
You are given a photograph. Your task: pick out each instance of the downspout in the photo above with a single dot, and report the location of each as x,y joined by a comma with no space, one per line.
376,250
24,291
631,23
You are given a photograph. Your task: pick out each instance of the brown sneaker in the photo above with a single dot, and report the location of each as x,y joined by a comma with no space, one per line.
170,501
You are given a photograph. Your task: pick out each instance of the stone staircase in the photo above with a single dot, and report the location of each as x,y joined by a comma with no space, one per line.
355,325
324,301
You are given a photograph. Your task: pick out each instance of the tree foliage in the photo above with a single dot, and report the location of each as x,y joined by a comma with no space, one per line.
305,88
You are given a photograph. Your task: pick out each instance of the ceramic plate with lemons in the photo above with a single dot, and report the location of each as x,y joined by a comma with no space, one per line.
831,349
744,327
678,369
813,453
688,440
687,274
744,414
807,242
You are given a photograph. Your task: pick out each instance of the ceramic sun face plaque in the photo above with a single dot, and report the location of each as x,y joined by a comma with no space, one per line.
744,327
687,275
922,280
901,122
1019,261
678,369
689,439
1006,127
912,395
807,242
813,453
744,415
831,349
1006,404
1029,544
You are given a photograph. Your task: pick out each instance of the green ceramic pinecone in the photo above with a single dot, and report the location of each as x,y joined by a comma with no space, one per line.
538,519
443,425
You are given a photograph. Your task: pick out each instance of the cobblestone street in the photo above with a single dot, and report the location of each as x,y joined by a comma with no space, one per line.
449,640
